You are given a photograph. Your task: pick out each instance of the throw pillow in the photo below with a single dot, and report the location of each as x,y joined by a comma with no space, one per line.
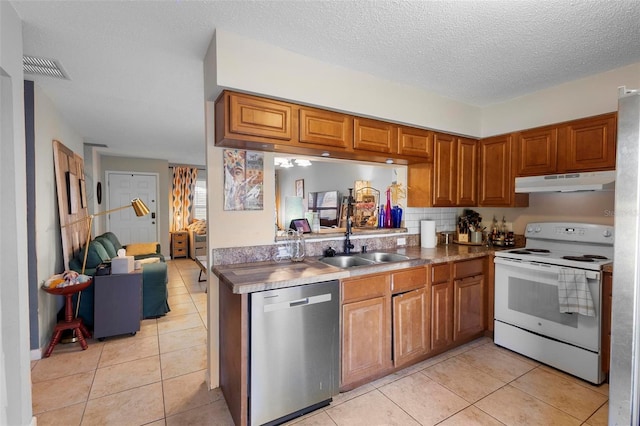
108,245
95,256
136,249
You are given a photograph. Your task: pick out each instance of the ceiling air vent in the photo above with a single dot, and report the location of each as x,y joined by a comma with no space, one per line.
42,66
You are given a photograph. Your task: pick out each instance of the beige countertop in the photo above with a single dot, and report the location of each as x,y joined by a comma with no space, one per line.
261,276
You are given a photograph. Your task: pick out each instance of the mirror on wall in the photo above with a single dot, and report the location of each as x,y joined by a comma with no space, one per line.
308,184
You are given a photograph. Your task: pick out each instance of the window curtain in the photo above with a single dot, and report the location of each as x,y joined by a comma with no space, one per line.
184,183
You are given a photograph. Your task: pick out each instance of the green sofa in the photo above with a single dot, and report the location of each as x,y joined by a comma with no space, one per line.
154,277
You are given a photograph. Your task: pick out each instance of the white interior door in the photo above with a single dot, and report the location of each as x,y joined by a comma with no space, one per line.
122,188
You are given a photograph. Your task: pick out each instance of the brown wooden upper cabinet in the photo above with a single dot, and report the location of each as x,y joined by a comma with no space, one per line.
255,118
537,152
444,170
415,142
496,181
583,145
591,143
326,128
467,173
455,168
375,136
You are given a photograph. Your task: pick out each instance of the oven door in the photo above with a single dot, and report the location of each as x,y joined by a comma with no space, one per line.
526,296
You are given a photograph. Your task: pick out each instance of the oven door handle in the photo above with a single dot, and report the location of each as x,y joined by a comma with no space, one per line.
538,266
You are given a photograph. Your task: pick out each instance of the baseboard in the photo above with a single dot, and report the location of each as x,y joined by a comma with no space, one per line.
36,354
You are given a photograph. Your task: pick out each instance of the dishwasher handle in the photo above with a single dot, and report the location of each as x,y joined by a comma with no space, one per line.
307,301
295,303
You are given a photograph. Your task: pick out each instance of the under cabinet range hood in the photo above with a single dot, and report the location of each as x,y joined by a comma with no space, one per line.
570,182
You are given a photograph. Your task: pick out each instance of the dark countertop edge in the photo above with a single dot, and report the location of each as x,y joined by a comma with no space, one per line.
418,257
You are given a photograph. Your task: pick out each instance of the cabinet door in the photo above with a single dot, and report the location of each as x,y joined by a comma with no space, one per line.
591,144
325,128
444,170
366,340
415,142
467,173
249,115
496,180
419,187
376,136
410,327
468,311
441,315
537,152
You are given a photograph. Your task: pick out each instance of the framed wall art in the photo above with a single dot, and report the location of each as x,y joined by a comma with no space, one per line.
300,188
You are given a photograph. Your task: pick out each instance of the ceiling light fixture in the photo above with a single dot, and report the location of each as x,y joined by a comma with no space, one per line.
287,162
43,66
325,154
389,161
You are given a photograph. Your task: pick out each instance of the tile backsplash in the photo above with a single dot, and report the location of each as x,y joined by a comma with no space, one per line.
445,218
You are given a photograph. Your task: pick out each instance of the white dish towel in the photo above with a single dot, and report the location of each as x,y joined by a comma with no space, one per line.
574,295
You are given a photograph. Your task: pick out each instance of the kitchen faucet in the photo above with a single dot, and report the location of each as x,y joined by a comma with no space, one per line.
347,242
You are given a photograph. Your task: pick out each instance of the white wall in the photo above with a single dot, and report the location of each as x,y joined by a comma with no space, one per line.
49,125
583,207
254,66
142,165
588,96
15,375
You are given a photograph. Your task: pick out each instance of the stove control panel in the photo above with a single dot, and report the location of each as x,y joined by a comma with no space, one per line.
578,232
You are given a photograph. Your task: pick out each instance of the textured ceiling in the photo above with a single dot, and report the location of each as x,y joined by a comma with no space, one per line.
136,66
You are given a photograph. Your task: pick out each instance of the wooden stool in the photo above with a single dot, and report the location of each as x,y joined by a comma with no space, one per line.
69,323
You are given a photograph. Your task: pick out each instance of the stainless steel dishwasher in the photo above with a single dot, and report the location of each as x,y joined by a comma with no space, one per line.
295,351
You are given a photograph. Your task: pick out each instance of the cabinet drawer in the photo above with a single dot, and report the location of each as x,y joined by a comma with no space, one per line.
408,280
467,268
177,244
440,273
365,287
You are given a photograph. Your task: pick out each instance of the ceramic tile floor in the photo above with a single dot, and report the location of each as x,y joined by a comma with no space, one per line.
157,377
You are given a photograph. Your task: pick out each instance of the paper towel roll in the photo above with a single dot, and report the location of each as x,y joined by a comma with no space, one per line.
428,233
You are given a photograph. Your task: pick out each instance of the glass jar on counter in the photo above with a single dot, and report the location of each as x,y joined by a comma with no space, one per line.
296,246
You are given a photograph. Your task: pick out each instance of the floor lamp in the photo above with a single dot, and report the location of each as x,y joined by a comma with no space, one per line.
139,207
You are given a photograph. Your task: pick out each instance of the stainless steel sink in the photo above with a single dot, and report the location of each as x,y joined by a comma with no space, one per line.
363,259
383,257
346,261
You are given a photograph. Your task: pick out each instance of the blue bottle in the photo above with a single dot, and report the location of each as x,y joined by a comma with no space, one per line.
381,218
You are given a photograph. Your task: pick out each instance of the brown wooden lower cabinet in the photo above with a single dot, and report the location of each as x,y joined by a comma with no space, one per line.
468,309
441,315
410,326
366,339
366,327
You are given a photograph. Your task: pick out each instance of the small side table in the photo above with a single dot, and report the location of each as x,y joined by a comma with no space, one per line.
69,323
179,244
118,304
